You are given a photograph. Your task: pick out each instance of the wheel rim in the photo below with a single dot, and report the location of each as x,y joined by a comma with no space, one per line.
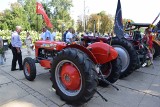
68,78
124,56
106,73
27,69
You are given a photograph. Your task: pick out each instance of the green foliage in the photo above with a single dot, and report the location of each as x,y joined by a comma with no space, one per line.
102,21
60,13
30,11
15,16
6,34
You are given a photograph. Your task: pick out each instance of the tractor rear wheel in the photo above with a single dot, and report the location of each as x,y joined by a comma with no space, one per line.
156,50
29,68
127,54
74,76
111,71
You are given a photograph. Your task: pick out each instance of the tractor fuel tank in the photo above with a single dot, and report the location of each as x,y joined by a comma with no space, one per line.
103,52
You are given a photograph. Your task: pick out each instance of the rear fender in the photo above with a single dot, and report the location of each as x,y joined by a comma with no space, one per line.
85,50
103,52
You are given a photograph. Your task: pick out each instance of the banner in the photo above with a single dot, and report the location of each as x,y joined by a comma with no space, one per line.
118,23
40,10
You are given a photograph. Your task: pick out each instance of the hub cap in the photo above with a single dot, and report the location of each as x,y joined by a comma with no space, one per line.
27,69
124,56
68,78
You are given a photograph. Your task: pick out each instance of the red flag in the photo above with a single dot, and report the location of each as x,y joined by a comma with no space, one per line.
40,10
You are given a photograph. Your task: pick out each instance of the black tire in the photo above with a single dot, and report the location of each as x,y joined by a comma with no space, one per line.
30,73
86,69
156,49
130,51
114,68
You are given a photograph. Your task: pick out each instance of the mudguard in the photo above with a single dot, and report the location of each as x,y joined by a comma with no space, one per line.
98,52
103,52
85,50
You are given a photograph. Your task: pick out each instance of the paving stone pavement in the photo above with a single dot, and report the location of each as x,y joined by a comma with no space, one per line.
140,89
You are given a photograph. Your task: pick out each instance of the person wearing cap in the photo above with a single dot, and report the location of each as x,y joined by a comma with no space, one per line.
16,49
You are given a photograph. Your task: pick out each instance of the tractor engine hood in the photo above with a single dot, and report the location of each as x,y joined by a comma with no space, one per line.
52,45
49,45
103,52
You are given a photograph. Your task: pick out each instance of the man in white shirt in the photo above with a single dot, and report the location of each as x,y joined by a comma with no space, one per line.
69,36
46,35
16,49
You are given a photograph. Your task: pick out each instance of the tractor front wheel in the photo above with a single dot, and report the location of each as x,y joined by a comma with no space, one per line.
29,68
74,76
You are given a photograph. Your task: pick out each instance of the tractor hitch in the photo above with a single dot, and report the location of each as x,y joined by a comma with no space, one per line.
101,77
101,95
107,82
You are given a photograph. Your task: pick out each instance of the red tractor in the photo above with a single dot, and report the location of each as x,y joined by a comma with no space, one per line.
75,70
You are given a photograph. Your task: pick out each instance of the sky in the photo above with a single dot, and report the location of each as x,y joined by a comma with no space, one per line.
5,4
140,11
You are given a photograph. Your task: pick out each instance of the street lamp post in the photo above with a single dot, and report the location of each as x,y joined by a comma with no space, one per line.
98,21
84,17
94,27
63,25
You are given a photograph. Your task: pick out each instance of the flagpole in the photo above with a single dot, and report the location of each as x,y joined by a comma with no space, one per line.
37,19
156,18
37,27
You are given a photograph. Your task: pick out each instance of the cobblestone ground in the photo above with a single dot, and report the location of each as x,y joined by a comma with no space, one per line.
140,89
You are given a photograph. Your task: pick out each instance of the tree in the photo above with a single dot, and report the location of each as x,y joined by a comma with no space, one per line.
79,24
20,18
107,24
93,19
60,13
15,16
36,21
103,22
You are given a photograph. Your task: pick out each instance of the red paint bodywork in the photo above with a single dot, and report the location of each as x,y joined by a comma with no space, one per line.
98,52
74,79
40,44
45,63
85,50
52,45
103,52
